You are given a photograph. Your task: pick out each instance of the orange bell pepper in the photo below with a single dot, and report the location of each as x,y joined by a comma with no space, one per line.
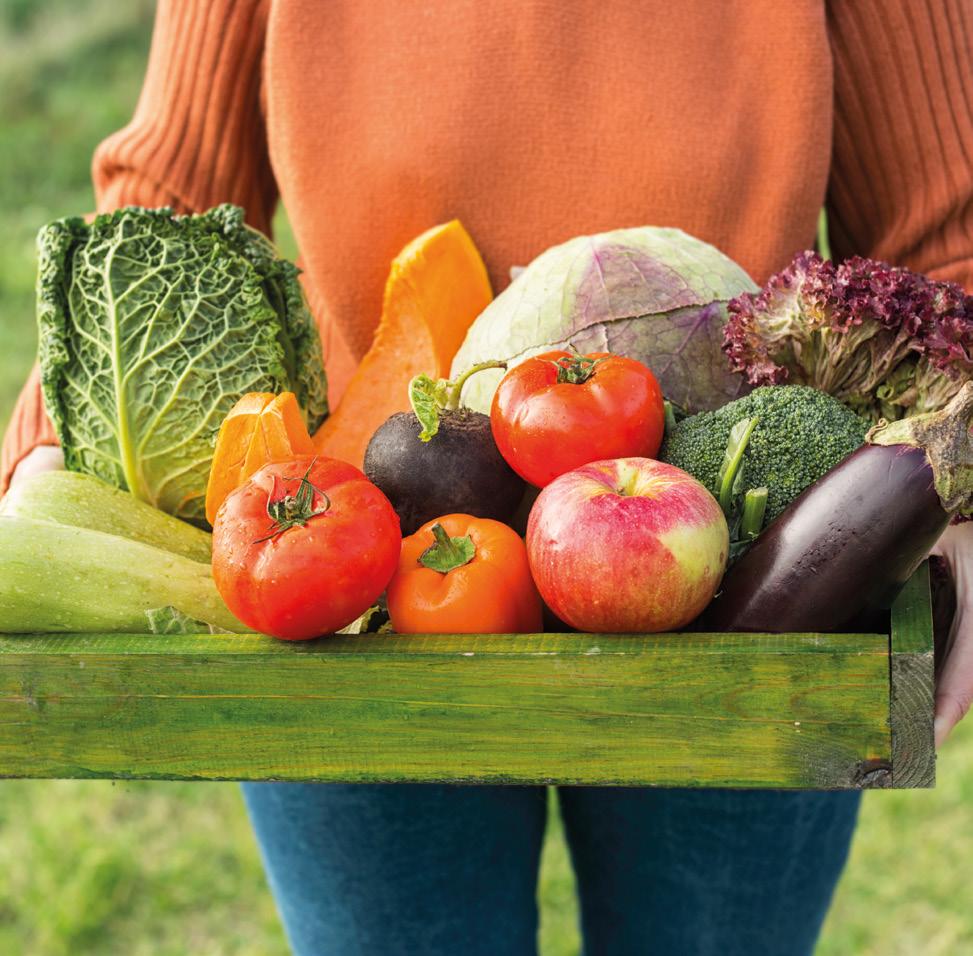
463,575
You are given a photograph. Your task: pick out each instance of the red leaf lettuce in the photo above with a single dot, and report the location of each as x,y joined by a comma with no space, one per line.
888,342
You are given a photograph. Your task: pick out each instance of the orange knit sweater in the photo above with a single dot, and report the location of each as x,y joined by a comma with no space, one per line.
536,120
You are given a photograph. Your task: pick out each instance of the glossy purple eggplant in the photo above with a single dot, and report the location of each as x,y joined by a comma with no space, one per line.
840,549
848,544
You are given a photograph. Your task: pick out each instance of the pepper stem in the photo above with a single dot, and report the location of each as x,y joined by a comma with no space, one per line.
447,553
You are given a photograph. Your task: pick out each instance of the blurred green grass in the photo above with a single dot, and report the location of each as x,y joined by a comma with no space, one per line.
170,868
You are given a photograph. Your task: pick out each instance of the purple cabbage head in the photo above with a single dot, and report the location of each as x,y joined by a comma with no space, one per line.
656,295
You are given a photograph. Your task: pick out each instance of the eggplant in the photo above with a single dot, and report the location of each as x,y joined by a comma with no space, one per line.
845,547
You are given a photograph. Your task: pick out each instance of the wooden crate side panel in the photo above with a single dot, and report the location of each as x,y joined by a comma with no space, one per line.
387,645
912,669
683,710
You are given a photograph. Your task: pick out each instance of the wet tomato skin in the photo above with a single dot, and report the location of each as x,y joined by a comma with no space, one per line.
309,579
559,410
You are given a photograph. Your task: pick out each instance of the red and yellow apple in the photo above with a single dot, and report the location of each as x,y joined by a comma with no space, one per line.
627,545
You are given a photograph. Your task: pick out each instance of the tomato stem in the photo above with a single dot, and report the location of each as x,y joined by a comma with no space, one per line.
447,553
294,511
576,369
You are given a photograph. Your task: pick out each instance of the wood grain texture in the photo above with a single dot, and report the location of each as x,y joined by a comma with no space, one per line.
912,686
703,710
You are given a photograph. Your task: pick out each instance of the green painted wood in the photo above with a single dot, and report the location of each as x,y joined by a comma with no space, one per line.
912,668
741,710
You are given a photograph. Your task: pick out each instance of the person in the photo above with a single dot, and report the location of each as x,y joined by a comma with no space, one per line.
533,121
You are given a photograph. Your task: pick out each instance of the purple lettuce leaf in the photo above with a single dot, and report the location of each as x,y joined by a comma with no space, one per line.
887,341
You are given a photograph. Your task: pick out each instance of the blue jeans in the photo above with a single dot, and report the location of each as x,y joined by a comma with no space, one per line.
428,870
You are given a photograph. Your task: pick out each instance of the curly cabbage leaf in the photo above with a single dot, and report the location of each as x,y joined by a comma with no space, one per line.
656,295
151,327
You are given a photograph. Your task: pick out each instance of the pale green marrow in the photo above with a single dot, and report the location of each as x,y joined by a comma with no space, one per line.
58,578
83,501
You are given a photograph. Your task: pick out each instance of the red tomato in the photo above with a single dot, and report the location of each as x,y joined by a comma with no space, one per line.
304,547
559,411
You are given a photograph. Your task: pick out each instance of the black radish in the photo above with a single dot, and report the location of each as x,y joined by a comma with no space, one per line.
848,544
441,459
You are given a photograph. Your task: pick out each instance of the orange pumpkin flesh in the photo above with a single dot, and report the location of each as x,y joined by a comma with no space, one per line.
280,434
436,287
260,428
232,444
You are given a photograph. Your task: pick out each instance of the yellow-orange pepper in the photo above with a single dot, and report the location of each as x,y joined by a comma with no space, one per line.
463,575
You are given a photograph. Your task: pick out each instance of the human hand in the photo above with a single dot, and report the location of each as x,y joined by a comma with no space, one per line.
42,458
954,690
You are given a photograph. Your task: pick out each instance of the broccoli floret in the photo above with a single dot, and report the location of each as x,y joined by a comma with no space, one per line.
800,434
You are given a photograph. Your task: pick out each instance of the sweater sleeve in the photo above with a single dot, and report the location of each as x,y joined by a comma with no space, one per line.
901,185
197,139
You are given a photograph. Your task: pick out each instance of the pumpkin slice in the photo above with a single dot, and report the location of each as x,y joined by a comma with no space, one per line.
280,434
436,287
232,445
260,428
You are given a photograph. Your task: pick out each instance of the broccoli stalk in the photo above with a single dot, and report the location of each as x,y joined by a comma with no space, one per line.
757,454
730,478
744,522
754,509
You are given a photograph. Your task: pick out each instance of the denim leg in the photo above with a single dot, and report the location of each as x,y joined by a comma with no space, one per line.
705,872
383,870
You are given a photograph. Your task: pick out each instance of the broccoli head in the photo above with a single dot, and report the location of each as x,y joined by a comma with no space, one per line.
793,436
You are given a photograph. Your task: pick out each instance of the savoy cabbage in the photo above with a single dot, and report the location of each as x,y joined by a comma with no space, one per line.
151,327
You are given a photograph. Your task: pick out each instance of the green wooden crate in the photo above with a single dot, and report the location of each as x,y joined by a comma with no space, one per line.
698,710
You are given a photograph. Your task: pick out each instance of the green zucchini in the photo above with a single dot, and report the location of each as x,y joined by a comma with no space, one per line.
57,578
82,501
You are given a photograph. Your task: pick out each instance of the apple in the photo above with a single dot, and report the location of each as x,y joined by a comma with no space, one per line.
627,545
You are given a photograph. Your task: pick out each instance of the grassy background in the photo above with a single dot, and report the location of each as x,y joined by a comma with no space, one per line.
170,868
